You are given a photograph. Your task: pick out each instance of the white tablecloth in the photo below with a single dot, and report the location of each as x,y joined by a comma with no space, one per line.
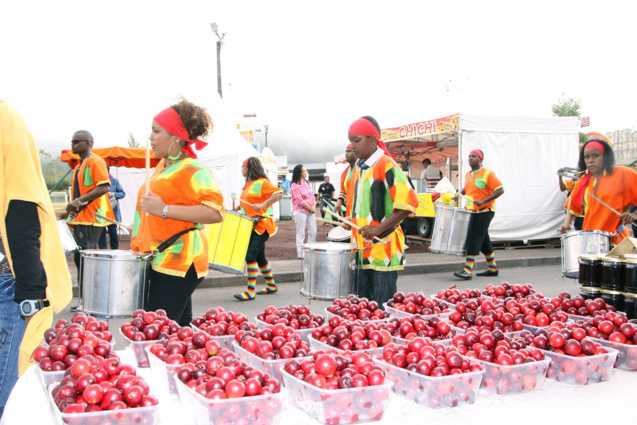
553,403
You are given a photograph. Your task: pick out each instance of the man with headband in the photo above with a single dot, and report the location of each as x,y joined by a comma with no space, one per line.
382,198
346,178
91,185
481,188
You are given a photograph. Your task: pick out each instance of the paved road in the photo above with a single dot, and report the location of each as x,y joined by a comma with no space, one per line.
546,279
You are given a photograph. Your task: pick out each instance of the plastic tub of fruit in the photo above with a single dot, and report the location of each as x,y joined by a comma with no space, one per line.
271,367
510,379
303,333
329,315
163,373
400,314
626,354
316,345
48,378
224,340
264,409
581,370
342,406
403,341
139,350
434,392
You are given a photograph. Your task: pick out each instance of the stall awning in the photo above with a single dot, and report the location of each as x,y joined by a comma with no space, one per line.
115,156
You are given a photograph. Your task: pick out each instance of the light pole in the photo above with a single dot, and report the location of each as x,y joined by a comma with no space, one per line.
266,126
215,29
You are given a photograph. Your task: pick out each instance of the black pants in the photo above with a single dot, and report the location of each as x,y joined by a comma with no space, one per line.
173,294
256,248
478,240
376,285
86,237
112,236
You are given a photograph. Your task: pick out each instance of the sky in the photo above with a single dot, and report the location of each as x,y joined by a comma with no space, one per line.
308,69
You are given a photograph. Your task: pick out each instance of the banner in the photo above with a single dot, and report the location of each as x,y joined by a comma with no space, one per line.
420,129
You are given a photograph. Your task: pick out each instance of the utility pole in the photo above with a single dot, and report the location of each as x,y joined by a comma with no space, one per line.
266,134
215,29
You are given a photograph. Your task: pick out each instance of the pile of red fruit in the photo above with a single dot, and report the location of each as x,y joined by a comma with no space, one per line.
579,306
354,308
453,295
574,356
186,346
506,290
535,310
94,386
273,342
218,322
69,341
356,335
610,326
297,317
414,326
149,326
485,315
511,364
332,370
414,303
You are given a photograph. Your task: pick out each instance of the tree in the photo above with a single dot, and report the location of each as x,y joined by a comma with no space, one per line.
54,171
132,143
569,107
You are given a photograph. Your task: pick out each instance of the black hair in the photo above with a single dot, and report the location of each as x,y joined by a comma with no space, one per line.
255,169
297,173
426,161
609,157
373,121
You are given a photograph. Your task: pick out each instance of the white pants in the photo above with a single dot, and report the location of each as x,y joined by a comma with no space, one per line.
303,220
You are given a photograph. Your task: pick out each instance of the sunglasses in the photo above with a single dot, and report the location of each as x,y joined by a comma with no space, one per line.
76,141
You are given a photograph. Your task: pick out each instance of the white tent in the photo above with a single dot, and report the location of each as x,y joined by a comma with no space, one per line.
225,152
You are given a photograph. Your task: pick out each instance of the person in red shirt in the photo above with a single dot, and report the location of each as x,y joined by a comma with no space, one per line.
481,188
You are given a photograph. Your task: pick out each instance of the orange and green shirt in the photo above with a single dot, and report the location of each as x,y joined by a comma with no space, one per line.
478,185
347,190
380,187
257,192
90,174
618,190
187,182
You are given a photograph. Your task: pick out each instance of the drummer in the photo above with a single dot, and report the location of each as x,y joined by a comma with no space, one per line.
346,180
382,199
614,186
257,198
567,186
481,188
183,194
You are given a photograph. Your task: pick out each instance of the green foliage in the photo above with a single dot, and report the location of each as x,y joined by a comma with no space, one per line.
567,107
54,170
132,143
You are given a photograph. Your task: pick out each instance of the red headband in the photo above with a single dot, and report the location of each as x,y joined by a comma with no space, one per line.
170,121
595,145
478,153
245,163
364,127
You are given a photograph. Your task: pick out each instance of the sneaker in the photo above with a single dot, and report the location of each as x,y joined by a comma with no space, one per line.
266,292
462,275
77,308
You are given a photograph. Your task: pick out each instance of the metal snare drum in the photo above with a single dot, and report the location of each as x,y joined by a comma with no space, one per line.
451,229
575,244
329,270
68,241
339,234
114,282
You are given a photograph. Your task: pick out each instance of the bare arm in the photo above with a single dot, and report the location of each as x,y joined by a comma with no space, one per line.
203,214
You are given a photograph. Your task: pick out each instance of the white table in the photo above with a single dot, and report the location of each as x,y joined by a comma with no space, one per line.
553,403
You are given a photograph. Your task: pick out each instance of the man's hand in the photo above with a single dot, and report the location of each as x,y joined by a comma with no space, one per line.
479,202
369,232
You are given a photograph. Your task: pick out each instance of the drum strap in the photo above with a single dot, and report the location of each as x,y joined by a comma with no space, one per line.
171,240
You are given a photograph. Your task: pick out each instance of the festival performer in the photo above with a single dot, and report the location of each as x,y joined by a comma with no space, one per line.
91,185
261,194
346,195
567,186
303,208
614,186
481,188
382,199
115,194
35,282
183,195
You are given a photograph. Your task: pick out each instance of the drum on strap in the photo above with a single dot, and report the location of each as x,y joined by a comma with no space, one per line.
228,242
339,234
68,241
114,282
451,229
329,270
577,243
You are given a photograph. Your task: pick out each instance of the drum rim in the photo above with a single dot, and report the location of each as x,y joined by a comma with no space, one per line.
351,247
579,232
239,214
103,253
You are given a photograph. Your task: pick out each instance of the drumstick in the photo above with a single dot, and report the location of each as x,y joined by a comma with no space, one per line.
349,223
147,167
130,229
604,204
328,221
247,203
568,209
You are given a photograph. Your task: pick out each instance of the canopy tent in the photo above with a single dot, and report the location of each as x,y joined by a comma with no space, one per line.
115,156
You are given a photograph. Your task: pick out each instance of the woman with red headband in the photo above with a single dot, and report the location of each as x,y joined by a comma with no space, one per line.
382,199
168,220
615,186
481,188
259,195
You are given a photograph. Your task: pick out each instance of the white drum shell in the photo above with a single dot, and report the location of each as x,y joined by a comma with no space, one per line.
329,270
579,243
68,241
451,229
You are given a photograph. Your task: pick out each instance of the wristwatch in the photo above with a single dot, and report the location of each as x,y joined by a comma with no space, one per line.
164,212
30,307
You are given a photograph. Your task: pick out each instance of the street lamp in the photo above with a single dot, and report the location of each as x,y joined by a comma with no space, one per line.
215,29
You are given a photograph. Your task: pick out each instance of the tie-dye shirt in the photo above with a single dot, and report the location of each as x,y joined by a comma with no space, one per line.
478,185
347,190
187,182
257,192
380,187
90,174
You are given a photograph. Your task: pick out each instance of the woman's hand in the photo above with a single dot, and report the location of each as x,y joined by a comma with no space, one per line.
565,228
152,204
257,207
